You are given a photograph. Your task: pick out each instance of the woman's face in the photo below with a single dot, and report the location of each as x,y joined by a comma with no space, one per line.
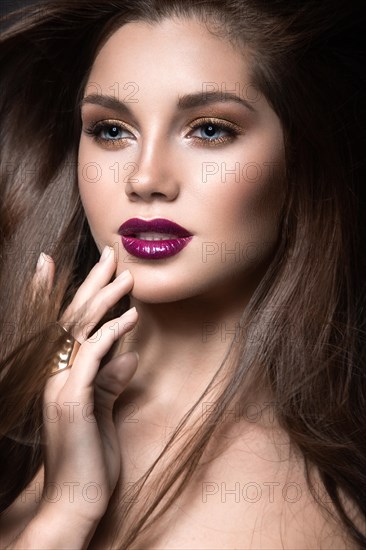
169,148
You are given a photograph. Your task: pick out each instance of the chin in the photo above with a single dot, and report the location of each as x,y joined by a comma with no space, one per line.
161,291
157,294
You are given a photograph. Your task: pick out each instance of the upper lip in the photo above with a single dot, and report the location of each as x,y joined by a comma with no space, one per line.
157,225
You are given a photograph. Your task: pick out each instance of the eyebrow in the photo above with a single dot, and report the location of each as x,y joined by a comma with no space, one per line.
187,101
205,98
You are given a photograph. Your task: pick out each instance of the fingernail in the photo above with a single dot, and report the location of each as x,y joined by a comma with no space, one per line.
106,252
124,274
41,262
130,313
137,355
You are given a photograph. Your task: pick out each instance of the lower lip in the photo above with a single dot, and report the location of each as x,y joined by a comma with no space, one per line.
154,250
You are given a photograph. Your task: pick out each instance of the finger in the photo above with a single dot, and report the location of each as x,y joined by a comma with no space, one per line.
110,382
53,387
87,361
112,379
97,278
44,275
100,304
94,309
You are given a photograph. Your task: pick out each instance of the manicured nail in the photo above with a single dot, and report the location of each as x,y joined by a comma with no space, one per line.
41,261
130,313
106,252
124,274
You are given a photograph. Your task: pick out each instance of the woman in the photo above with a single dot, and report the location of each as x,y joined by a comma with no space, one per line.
230,130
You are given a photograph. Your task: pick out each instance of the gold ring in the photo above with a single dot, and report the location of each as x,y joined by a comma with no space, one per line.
64,358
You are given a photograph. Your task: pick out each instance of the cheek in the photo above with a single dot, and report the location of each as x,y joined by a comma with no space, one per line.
244,213
262,201
250,203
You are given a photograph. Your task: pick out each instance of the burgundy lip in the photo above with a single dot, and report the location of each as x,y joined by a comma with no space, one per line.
158,225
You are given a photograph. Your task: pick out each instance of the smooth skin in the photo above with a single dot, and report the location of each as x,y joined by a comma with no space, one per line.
82,447
190,304
174,297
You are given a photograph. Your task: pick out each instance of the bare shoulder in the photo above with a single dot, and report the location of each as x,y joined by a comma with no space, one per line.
253,496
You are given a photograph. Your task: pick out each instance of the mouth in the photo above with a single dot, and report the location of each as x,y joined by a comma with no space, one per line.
158,229
156,239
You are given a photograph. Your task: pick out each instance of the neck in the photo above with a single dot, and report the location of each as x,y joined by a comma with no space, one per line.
182,344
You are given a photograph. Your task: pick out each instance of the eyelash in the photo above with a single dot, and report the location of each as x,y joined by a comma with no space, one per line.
96,128
228,127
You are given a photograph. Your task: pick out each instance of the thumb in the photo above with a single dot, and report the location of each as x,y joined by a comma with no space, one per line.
111,380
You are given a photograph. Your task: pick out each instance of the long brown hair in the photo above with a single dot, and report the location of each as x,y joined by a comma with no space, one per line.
306,58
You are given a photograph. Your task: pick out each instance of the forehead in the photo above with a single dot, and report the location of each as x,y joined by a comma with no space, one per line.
175,52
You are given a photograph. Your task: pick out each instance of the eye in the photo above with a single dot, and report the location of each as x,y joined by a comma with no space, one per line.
209,127
108,133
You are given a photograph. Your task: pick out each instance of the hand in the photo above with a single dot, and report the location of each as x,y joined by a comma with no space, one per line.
82,459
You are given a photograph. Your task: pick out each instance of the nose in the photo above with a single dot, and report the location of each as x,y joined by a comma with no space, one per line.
154,178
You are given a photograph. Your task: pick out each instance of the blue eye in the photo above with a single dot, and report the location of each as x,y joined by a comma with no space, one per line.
101,130
108,133
209,127
113,131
